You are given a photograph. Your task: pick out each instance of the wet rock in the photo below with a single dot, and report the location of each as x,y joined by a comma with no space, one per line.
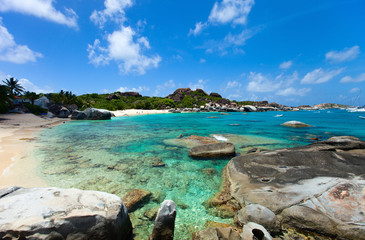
209,171
213,150
252,150
295,124
223,113
217,233
135,198
158,163
191,141
164,226
55,213
151,213
253,231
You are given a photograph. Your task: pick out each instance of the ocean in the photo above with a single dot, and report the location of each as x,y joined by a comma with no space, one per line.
117,156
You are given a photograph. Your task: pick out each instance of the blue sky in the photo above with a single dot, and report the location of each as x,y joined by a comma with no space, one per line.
285,51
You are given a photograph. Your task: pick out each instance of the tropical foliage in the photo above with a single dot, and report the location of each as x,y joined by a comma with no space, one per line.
15,88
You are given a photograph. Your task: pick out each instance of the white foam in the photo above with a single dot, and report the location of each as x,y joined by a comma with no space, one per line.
220,138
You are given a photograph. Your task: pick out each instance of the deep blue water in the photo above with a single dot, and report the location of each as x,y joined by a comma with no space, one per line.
116,156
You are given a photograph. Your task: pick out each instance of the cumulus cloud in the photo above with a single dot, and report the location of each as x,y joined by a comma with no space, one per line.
286,65
199,27
235,11
126,49
346,54
31,87
360,78
260,83
127,89
292,91
165,89
41,9
320,76
199,84
233,84
355,90
10,51
114,10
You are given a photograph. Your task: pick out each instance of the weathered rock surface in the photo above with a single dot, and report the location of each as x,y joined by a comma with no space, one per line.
135,198
191,141
91,114
253,231
165,222
319,187
295,124
64,113
217,233
54,213
213,150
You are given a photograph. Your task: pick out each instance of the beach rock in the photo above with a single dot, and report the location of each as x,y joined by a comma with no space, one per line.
55,213
295,124
63,113
319,187
217,233
213,150
91,114
249,108
165,222
78,115
253,231
135,198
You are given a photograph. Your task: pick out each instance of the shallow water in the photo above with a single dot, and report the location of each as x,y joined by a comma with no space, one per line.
116,156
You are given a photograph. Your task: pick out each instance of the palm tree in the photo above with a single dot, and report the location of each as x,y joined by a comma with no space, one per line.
14,85
32,96
5,98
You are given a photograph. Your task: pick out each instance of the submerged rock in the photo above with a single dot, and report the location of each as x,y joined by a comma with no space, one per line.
295,124
55,213
165,222
135,198
191,141
213,150
319,187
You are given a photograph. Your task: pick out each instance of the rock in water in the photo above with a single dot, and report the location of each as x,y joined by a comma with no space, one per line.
135,198
295,124
213,150
55,213
165,222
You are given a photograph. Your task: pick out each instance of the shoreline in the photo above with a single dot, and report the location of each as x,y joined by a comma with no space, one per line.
137,112
18,165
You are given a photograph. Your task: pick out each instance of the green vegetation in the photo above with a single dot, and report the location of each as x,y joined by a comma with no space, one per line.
4,98
15,88
37,110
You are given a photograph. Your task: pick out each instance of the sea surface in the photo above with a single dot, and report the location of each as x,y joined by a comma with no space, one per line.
117,156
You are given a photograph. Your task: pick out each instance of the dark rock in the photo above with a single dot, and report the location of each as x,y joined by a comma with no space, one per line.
130,94
136,198
201,91
213,94
78,115
165,222
64,113
91,114
112,96
252,150
213,150
55,213
179,94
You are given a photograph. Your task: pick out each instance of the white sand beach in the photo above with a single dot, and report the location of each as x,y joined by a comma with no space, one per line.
135,112
17,134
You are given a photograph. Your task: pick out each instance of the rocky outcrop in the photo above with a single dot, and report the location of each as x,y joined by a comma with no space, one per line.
130,94
59,110
217,233
165,222
64,113
295,124
318,188
179,94
91,114
214,150
213,94
55,213
135,198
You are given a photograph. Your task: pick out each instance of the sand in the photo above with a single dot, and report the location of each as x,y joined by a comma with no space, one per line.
17,134
135,112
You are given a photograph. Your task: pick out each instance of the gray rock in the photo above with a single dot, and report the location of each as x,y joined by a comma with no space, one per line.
213,150
258,214
165,222
252,231
55,213
91,114
295,124
78,115
217,233
64,113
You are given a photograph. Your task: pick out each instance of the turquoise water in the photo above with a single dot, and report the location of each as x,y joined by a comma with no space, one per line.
116,156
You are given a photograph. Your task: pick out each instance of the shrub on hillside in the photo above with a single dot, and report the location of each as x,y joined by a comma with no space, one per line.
37,110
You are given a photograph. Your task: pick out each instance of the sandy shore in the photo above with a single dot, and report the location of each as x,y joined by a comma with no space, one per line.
135,112
17,135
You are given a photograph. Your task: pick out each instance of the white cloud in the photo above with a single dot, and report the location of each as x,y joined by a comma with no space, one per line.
165,89
286,65
345,55
114,10
355,90
292,91
233,84
31,87
360,78
320,76
227,11
10,51
42,9
124,49
199,27
127,89
202,60
239,39
261,83
199,84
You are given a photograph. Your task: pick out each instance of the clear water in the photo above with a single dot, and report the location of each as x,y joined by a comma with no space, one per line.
116,156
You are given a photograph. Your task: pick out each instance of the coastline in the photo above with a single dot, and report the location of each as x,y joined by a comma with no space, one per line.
137,112
17,135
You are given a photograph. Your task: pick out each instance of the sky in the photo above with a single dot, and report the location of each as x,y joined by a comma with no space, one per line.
290,52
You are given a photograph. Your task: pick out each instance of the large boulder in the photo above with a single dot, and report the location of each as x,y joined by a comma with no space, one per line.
213,94
295,124
91,114
130,94
319,187
64,113
165,222
191,141
55,213
214,150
